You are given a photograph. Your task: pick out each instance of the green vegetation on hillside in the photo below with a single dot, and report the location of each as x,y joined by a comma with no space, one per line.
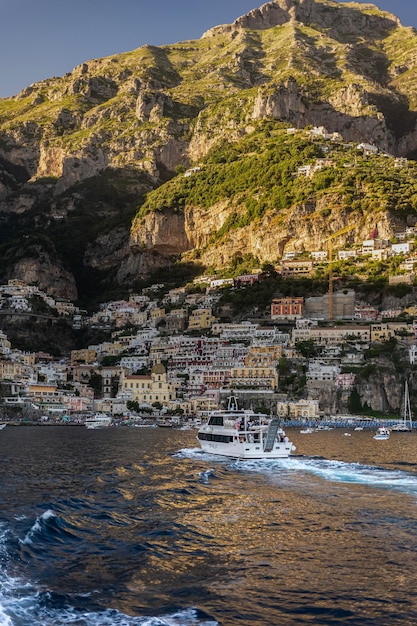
259,174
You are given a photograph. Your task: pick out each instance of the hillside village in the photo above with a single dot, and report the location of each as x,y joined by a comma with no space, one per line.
173,350
253,159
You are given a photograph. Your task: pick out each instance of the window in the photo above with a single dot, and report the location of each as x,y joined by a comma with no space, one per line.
219,438
216,421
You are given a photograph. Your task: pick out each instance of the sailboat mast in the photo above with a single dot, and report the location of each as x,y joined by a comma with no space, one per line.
410,419
407,418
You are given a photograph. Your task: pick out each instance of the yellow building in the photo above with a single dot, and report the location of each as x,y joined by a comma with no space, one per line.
332,335
42,391
386,330
148,389
263,355
157,315
10,370
201,319
299,409
254,377
83,356
28,358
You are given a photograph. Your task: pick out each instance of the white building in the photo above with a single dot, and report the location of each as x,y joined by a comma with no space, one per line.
319,255
402,248
244,330
320,371
19,303
134,363
342,255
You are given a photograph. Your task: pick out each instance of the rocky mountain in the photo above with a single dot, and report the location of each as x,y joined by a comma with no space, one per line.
92,187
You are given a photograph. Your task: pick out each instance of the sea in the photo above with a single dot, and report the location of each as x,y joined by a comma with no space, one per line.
137,526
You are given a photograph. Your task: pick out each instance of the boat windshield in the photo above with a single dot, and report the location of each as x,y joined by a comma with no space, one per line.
216,420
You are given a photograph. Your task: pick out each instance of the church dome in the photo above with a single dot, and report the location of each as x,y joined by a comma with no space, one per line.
158,368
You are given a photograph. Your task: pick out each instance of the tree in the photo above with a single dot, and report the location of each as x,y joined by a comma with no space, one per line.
307,348
132,405
96,383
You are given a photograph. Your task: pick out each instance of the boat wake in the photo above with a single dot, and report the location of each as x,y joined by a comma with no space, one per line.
338,472
329,470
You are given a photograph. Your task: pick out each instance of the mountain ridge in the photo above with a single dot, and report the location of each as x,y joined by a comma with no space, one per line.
79,153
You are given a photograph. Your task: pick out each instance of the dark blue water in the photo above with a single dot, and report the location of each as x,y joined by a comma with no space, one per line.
132,526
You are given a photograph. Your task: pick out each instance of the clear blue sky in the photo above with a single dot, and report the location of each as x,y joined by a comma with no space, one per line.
43,38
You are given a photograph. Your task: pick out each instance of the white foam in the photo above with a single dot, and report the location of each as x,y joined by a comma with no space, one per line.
204,477
26,612
336,471
190,453
37,526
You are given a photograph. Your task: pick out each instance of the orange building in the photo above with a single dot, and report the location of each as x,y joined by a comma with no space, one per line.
287,308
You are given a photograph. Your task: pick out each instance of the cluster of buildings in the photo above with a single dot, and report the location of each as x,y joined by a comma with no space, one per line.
172,353
374,249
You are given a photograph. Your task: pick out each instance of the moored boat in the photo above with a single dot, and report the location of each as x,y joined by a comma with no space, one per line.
244,434
382,433
99,420
2,426
167,422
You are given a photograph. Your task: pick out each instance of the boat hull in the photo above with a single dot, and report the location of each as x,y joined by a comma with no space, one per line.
93,423
237,450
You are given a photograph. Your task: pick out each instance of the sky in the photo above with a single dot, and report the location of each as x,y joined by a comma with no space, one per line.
44,38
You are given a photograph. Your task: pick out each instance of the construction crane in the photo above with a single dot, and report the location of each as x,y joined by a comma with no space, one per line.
329,240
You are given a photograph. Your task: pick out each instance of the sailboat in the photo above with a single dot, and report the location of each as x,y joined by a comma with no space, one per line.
406,425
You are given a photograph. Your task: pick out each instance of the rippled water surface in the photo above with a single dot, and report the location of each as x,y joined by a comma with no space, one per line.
131,526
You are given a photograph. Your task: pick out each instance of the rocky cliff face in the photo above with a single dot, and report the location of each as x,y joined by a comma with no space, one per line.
379,390
49,275
139,116
302,228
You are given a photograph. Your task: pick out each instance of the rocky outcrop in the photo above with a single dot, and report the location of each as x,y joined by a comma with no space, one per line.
381,391
47,274
326,15
349,112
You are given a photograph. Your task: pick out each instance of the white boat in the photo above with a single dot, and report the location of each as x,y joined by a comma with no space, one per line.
168,422
382,433
307,431
358,428
99,420
406,425
2,426
243,434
